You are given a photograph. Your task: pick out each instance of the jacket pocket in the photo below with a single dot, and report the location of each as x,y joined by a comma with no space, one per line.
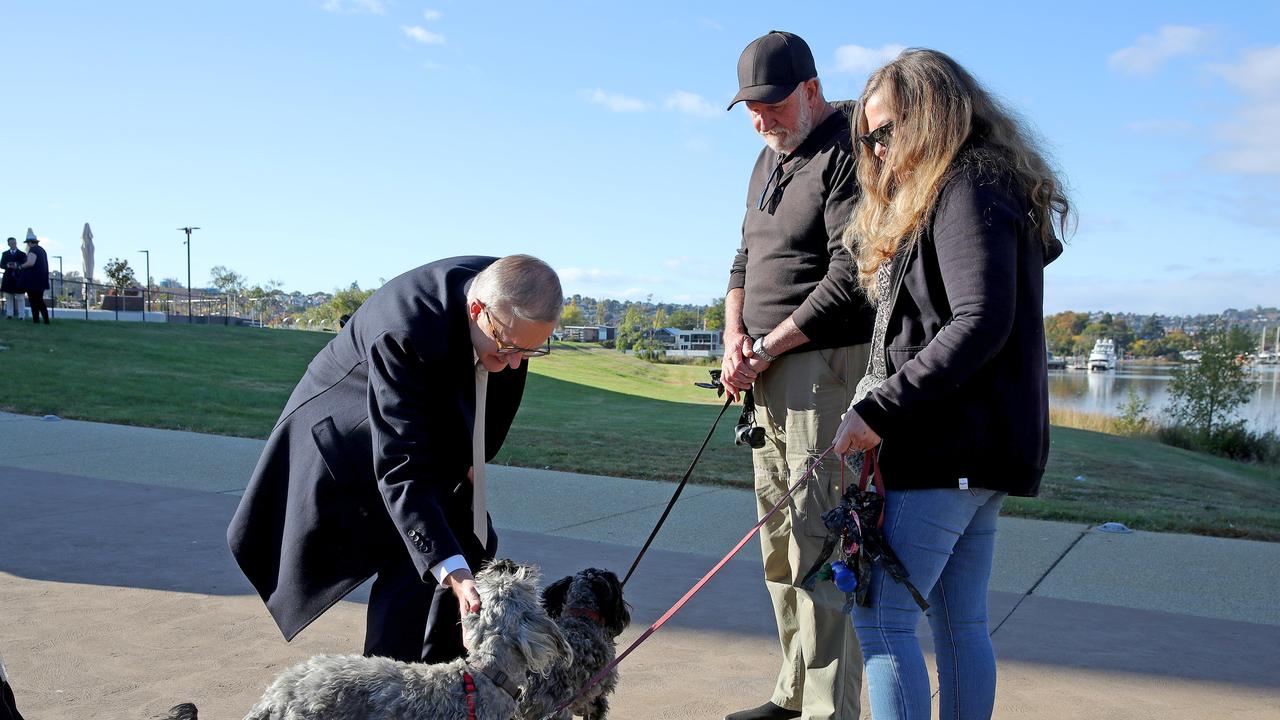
899,355
349,486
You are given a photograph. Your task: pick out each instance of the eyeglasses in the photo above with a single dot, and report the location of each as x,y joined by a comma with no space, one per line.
880,135
507,350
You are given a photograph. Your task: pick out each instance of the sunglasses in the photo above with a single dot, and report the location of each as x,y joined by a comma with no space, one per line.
765,195
507,350
879,136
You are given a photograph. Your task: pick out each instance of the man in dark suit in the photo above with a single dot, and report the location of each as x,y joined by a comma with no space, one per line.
11,260
376,465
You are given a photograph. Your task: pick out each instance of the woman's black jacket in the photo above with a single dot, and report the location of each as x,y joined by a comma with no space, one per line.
966,401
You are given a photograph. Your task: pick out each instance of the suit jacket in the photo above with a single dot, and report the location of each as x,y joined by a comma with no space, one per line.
9,283
369,458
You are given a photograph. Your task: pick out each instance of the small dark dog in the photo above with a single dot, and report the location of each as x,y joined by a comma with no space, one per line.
591,614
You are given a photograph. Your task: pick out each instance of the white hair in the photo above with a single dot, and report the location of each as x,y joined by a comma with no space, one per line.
520,286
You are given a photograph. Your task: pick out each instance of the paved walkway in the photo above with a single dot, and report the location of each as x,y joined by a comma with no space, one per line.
118,597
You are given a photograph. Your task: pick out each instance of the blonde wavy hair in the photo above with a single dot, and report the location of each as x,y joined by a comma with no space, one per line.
940,111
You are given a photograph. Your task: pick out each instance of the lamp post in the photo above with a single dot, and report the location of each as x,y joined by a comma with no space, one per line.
62,284
187,242
146,286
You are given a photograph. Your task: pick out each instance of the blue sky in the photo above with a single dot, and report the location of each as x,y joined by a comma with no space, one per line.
321,142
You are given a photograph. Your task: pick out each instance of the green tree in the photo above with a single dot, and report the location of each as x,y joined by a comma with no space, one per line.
1204,397
571,315
227,280
601,313
346,302
660,318
1061,331
714,319
1151,329
120,274
684,319
631,329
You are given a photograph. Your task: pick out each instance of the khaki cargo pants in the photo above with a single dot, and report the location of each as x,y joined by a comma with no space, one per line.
800,399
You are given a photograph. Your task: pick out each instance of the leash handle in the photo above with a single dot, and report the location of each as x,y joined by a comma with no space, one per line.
679,489
813,467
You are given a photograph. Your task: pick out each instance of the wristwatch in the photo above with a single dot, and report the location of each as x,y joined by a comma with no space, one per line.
758,350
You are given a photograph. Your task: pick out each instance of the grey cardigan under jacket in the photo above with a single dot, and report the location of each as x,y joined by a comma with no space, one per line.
965,403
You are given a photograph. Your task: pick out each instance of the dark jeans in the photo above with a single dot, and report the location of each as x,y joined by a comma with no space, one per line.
415,621
35,300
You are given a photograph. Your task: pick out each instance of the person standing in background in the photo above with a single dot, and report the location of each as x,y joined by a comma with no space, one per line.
11,261
34,280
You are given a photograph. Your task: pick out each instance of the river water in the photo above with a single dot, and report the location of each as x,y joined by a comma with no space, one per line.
1104,392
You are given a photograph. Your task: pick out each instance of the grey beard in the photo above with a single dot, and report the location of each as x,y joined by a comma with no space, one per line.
785,144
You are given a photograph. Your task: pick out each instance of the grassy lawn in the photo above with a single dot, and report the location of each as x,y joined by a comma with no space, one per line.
585,410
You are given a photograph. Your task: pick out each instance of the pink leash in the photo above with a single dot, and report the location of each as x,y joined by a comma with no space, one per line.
693,590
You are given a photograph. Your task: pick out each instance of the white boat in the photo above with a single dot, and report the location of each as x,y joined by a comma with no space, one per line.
1103,357
1191,356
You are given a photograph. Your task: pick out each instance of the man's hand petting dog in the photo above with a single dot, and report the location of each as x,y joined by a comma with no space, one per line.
463,585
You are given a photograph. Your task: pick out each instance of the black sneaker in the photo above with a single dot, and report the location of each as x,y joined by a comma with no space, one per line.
767,711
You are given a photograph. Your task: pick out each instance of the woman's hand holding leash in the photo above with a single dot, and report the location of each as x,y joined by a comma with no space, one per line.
854,435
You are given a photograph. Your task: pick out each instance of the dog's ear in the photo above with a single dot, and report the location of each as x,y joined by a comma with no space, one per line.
553,598
616,613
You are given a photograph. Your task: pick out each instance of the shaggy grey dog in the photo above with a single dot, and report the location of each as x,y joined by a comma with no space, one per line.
591,613
510,638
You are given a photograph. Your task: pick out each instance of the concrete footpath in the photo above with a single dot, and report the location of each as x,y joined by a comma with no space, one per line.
118,597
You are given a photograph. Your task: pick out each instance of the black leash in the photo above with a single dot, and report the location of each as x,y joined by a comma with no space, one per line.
679,488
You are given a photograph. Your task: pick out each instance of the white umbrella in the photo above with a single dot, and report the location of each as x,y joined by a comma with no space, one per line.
86,252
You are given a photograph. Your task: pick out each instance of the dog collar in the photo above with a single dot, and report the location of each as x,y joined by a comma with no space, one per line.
469,686
586,613
500,679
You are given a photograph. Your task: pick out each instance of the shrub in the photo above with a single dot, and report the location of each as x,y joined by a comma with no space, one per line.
1133,418
1233,440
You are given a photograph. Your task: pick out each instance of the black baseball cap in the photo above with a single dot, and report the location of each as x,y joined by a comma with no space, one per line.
772,66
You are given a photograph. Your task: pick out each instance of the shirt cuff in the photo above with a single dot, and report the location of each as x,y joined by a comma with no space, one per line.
448,565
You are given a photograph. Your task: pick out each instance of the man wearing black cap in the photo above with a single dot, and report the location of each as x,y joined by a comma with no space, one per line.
797,329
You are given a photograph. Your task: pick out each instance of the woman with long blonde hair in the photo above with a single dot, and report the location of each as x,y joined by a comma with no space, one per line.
959,214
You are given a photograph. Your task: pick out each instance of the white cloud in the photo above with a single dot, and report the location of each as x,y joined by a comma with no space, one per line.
861,60
431,15
1252,134
422,35
614,101
1150,52
351,7
691,104
1257,75
710,24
